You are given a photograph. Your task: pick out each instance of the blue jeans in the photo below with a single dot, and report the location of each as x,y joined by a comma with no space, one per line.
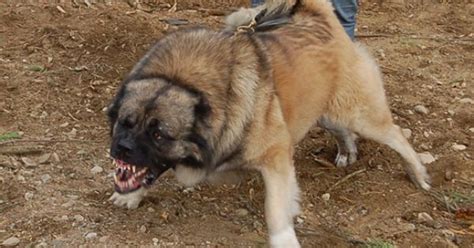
345,10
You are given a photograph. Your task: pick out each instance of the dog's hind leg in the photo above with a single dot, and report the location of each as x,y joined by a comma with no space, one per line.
391,135
281,198
345,139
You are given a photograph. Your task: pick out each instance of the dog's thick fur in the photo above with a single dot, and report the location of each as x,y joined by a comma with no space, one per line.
244,99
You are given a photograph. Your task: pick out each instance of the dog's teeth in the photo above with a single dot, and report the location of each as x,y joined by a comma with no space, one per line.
134,168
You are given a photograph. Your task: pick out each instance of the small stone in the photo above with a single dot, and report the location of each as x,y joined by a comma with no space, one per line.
78,218
41,245
64,218
10,242
326,196
424,217
448,175
150,209
43,159
155,240
421,109
471,129
103,239
448,234
467,100
91,235
45,178
451,112
299,220
68,204
459,147
97,169
29,196
406,132
143,229
426,158
242,212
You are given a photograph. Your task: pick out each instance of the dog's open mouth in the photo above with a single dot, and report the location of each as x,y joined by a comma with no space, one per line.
129,177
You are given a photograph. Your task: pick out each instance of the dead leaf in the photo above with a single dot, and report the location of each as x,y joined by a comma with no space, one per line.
44,158
29,162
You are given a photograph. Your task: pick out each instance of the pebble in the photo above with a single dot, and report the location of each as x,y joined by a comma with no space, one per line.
299,220
29,196
91,235
64,218
326,196
10,242
143,229
406,132
78,218
424,217
426,157
467,100
45,178
68,204
150,209
448,234
421,109
471,129
155,241
97,169
242,212
459,147
30,163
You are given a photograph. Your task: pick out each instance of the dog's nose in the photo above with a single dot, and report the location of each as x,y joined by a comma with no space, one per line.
125,145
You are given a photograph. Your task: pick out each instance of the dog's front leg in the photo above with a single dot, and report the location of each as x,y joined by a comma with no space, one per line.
129,200
282,197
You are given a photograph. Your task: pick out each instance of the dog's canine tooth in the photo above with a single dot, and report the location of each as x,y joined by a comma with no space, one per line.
134,168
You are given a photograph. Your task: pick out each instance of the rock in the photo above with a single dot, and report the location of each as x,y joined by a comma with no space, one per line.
91,235
150,209
426,158
72,134
97,169
78,218
45,178
41,245
458,147
421,109
471,129
406,132
10,242
29,196
242,212
448,175
466,100
424,217
68,204
64,218
155,241
143,229
448,234
326,196
299,220
451,112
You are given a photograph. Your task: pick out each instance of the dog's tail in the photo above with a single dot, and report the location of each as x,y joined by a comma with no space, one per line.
272,14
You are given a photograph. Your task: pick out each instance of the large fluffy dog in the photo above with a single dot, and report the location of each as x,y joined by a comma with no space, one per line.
201,102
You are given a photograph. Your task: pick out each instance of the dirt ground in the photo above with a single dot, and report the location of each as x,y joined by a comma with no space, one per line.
61,62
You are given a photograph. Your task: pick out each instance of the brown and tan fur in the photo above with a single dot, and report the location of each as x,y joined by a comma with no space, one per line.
265,90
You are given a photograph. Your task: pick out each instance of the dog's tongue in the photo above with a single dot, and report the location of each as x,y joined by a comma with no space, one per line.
127,177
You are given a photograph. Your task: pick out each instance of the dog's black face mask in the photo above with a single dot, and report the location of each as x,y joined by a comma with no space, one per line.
154,128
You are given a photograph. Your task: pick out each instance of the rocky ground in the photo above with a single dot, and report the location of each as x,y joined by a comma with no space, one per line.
60,64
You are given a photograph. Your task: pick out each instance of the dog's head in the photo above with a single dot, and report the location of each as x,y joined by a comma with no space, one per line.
155,125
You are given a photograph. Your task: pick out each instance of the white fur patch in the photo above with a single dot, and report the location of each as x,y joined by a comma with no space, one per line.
284,239
189,176
129,200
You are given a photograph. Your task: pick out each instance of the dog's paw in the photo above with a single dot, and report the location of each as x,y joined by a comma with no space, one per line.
421,178
345,159
284,239
129,200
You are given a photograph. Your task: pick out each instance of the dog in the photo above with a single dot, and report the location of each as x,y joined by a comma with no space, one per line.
202,102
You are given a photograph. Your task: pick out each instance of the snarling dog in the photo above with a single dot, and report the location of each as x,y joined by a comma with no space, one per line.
202,102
